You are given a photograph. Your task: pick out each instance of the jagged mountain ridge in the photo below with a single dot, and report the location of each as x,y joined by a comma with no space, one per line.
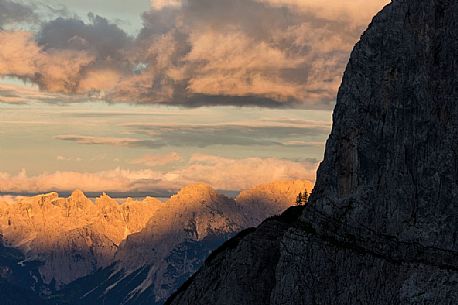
72,237
131,251
382,224
175,243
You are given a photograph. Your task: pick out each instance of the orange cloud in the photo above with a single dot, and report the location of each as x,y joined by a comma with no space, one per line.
221,173
360,11
53,71
232,174
112,180
103,80
231,63
197,53
152,160
161,4
21,94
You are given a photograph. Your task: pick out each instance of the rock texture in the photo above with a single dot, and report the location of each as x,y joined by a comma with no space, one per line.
382,224
154,262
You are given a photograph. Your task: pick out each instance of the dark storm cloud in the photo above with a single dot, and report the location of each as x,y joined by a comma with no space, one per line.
100,36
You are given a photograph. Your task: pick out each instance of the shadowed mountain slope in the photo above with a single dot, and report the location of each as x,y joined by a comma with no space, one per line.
154,262
15,275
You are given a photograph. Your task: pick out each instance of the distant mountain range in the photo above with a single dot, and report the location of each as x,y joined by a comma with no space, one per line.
76,251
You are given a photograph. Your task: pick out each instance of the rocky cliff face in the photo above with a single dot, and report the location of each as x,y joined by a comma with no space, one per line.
382,224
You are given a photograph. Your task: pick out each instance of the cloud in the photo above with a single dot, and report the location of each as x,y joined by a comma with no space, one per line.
91,140
112,180
67,55
27,93
12,12
221,173
156,135
72,159
203,136
253,68
53,71
267,53
234,174
99,35
358,9
154,160
162,4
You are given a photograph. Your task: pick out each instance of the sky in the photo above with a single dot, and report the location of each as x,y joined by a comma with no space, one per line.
150,95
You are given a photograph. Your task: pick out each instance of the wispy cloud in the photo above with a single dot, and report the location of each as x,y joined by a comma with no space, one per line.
154,160
157,135
100,140
72,159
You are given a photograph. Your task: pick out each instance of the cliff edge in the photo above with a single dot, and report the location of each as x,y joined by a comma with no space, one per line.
382,224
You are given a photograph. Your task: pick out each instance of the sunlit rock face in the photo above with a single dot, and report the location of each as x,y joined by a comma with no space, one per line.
137,252
382,224
71,237
154,262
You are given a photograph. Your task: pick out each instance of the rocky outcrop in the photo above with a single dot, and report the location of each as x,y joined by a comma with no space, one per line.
382,224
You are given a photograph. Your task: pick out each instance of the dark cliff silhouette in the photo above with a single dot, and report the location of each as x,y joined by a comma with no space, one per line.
381,223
